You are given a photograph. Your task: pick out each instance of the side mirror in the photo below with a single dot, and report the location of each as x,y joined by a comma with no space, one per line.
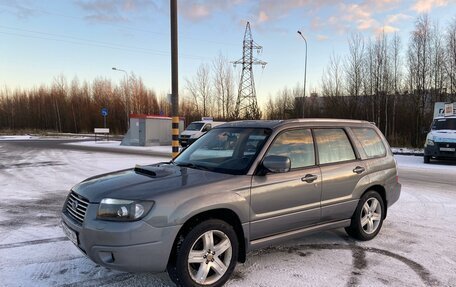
277,163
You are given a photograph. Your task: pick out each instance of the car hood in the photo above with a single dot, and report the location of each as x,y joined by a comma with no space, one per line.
188,133
144,182
443,135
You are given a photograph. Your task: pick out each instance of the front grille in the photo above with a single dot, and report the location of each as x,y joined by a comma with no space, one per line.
77,206
448,145
184,136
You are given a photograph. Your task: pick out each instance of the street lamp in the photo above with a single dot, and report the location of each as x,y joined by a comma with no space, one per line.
127,99
305,74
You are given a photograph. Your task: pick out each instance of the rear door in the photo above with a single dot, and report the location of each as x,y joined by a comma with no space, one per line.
282,202
341,170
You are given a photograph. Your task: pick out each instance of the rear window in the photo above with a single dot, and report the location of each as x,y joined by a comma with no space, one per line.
333,146
370,141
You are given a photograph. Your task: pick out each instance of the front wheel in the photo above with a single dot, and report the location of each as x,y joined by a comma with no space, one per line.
427,159
205,256
367,220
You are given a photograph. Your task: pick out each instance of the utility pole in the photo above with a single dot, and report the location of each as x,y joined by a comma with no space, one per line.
174,80
246,104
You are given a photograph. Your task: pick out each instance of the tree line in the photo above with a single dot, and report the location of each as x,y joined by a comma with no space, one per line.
379,80
383,81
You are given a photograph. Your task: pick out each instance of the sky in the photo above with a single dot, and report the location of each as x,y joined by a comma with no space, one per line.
40,40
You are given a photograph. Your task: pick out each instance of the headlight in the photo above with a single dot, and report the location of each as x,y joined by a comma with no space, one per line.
123,210
429,142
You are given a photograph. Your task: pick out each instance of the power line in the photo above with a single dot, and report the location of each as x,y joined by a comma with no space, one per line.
88,42
126,27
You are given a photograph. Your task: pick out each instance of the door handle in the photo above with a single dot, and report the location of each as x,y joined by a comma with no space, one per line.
309,178
359,169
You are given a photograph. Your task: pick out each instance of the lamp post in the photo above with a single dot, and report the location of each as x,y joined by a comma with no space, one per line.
305,74
127,99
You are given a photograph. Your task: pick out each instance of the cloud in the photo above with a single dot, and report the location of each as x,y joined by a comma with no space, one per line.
203,9
113,10
386,29
274,9
367,15
423,6
322,38
21,9
263,17
397,18
359,14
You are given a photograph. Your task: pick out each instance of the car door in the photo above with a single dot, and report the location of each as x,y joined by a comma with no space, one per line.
291,200
341,170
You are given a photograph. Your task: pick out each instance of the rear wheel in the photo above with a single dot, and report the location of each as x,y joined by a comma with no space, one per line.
367,220
205,256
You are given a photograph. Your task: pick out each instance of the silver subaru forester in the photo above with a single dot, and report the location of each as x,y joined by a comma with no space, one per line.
244,185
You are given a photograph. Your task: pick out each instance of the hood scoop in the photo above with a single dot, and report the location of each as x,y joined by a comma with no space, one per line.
152,171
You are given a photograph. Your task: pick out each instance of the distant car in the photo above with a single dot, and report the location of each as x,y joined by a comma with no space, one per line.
195,130
244,185
441,139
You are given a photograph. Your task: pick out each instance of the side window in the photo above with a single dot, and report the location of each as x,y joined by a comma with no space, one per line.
253,142
370,141
333,146
297,145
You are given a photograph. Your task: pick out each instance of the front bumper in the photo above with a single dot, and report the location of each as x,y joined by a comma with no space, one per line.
441,150
186,141
128,246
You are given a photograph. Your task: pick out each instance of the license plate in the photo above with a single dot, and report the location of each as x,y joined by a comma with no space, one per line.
70,234
447,149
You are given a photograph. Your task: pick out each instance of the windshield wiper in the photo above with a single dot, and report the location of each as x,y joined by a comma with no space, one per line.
191,165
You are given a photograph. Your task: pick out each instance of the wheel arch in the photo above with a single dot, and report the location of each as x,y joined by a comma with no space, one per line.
381,190
225,214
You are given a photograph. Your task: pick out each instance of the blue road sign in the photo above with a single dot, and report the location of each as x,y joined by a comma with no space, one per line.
104,112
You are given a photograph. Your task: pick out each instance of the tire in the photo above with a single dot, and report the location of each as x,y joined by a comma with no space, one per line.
367,220
427,159
213,247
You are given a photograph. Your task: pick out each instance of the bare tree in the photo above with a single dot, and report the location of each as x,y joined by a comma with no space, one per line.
419,69
397,75
200,90
223,86
354,70
332,79
451,56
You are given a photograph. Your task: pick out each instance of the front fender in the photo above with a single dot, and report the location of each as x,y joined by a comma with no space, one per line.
236,201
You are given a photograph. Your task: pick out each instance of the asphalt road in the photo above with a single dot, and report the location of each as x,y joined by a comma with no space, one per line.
414,248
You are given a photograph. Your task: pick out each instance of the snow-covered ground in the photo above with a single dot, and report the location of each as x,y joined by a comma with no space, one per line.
165,150
416,246
15,138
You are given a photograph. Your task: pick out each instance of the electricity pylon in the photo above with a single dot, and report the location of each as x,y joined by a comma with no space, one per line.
246,104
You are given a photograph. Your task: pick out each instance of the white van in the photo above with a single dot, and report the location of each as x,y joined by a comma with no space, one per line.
196,130
441,139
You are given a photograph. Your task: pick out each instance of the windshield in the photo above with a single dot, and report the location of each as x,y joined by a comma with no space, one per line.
225,150
444,124
194,126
